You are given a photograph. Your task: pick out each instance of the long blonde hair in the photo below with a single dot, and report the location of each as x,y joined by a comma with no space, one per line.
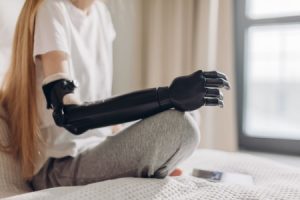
19,93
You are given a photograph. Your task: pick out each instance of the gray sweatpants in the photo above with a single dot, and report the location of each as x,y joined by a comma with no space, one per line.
150,148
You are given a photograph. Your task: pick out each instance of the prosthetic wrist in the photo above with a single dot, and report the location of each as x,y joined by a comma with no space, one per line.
186,93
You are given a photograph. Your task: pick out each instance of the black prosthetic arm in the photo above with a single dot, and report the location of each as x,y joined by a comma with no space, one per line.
186,93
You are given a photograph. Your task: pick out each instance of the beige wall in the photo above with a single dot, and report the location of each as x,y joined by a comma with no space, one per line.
9,12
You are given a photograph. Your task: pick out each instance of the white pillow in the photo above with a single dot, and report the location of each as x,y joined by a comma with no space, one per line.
11,182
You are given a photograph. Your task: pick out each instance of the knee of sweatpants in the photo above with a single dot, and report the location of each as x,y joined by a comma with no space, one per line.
184,126
192,133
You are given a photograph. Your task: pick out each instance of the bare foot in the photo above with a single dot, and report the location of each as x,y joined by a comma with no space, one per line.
176,172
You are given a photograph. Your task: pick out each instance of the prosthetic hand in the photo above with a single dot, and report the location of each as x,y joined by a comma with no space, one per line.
186,93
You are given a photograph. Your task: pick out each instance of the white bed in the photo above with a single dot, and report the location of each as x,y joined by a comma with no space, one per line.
272,181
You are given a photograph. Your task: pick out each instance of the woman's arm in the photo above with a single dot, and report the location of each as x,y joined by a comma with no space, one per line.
56,62
186,93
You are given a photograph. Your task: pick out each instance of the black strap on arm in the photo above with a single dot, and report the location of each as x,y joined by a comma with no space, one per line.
186,93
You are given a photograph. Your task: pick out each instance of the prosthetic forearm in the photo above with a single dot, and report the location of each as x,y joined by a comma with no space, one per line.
186,93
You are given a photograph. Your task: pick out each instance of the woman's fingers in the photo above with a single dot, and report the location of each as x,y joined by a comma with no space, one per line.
213,102
215,93
217,83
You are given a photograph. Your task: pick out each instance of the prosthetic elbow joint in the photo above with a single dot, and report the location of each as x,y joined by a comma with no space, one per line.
54,93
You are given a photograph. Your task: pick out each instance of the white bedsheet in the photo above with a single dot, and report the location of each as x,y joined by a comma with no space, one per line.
272,181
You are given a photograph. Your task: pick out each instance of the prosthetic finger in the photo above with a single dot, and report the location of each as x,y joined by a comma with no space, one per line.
214,74
215,93
213,102
217,83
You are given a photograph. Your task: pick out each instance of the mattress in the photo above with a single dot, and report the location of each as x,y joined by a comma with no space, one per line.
272,181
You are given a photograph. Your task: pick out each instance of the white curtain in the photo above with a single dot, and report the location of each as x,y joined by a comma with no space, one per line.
161,39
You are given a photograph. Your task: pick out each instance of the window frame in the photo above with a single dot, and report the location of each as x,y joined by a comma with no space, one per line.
241,24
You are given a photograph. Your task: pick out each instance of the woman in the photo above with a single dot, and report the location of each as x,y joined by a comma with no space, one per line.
73,39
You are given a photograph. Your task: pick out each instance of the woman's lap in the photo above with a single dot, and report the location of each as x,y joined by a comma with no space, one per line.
149,148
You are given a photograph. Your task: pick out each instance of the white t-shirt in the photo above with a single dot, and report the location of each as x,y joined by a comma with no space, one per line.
87,40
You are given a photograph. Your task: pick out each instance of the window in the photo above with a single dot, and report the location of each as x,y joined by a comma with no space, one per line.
268,74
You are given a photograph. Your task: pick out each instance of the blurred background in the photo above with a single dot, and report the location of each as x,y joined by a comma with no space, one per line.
256,43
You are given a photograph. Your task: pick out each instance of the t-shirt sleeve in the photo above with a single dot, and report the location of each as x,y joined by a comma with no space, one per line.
50,30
